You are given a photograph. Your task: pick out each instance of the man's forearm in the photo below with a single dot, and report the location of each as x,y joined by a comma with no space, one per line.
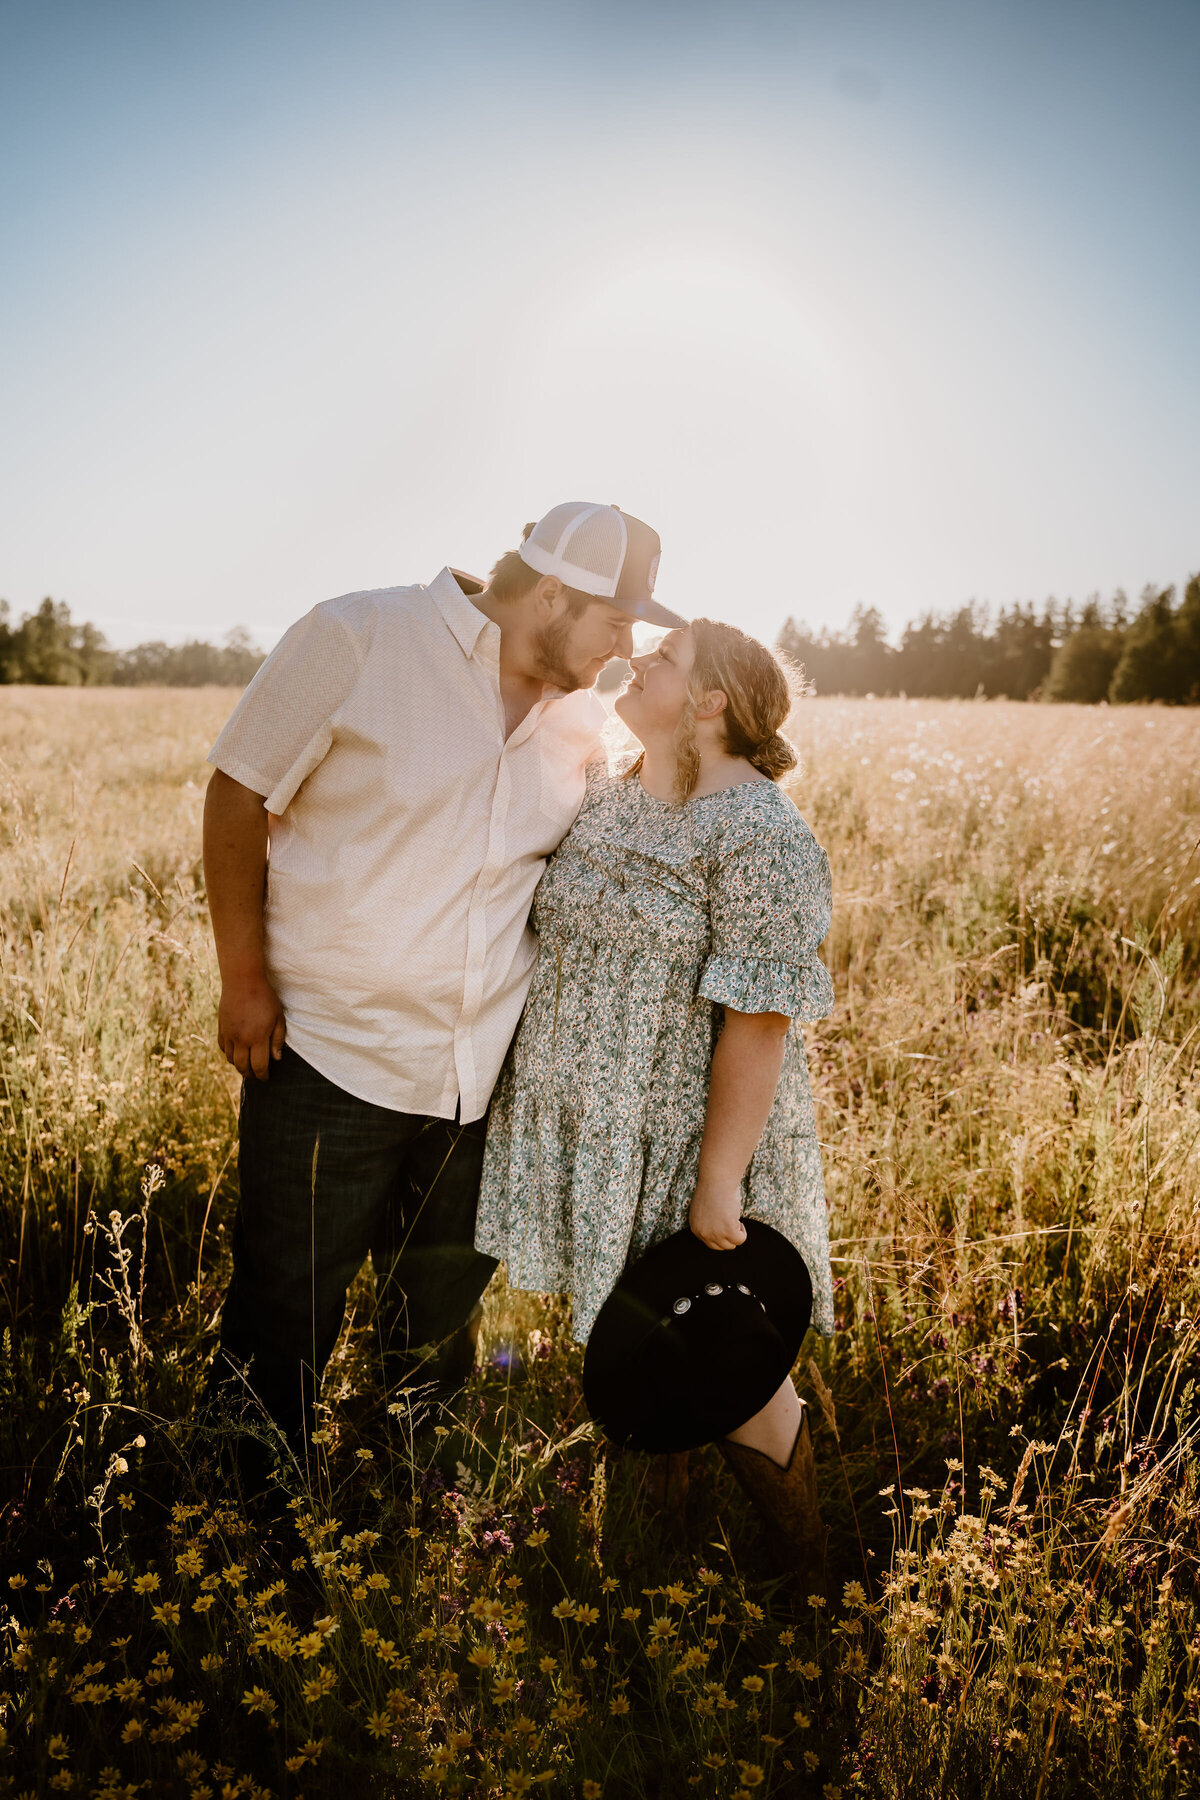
235,873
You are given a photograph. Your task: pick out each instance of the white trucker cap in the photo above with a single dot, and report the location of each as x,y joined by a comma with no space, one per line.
603,551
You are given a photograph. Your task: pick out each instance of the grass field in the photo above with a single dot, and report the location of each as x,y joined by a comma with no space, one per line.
1007,1414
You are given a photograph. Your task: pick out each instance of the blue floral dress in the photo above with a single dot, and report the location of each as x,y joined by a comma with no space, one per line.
652,918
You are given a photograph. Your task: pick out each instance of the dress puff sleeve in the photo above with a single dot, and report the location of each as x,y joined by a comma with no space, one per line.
770,903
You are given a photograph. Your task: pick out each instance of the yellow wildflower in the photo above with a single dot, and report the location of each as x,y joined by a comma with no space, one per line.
587,1615
189,1562
379,1724
536,1539
132,1729
618,1705
257,1699
278,1635
318,1685
481,1656
630,1613
753,1684
111,1581
146,1584
503,1688
750,1774
166,1614
210,1663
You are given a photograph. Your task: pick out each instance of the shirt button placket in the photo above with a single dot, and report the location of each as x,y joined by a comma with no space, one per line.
477,938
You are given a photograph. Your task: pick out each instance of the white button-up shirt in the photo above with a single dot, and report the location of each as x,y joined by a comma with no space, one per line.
407,838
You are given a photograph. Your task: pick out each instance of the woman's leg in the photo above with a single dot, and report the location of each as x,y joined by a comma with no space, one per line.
771,1456
773,1430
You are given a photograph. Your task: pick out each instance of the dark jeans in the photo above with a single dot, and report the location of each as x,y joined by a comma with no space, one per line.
325,1178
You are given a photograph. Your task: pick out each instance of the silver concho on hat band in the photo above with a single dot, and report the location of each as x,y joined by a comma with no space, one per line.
712,1289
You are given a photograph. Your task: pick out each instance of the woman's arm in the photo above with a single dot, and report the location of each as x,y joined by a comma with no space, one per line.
741,1089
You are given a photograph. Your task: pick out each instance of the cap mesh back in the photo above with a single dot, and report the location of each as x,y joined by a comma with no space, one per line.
547,532
596,544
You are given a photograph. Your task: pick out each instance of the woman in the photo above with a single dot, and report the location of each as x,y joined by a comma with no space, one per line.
658,1077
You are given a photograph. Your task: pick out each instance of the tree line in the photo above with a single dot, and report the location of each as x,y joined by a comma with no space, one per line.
48,649
1099,651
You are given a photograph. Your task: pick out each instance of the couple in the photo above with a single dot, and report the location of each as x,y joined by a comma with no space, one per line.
425,763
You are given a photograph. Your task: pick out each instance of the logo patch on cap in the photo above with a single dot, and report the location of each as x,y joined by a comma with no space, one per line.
652,573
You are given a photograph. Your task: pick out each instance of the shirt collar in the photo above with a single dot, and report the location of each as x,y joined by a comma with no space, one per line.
466,621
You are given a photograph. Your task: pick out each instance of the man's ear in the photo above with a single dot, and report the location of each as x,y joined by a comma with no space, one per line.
548,597
711,706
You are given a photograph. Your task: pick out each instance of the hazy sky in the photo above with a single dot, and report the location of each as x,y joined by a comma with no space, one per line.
894,303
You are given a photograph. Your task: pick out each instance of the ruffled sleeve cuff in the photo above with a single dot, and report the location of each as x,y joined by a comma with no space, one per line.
755,984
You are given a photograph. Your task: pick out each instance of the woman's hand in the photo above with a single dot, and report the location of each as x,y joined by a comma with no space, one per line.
716,1219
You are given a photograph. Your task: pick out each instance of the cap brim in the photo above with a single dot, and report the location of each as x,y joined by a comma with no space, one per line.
649,612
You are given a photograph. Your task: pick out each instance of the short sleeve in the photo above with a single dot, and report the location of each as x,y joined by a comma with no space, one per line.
770,904
281,728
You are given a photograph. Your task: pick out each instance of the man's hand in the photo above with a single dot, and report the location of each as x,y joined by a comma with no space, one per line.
250,1025
716,1219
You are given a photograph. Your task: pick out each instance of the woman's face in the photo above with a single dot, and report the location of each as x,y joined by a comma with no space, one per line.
653,699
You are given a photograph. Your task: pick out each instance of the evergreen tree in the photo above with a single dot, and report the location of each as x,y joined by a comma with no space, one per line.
1085,662
1151,666
45,648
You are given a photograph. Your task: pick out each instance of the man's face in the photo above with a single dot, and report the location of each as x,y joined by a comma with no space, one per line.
573,650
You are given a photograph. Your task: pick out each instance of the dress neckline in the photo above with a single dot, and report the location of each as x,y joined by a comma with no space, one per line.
760,781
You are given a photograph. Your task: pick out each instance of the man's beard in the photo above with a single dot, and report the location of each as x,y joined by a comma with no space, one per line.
550,650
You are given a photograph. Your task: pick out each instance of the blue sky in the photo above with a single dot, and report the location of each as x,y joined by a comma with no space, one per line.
891,303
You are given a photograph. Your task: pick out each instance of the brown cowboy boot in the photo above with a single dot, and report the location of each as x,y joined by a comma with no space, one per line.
785,1499
667,1484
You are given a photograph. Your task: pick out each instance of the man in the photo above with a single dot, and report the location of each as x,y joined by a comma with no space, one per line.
411,756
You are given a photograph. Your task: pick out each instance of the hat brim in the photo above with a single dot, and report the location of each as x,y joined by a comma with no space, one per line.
645,1391
651,613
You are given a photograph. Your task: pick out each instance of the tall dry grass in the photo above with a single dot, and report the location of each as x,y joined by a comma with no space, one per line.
1010,1111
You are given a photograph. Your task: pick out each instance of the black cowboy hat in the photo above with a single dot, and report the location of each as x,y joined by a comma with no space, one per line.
692,1342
